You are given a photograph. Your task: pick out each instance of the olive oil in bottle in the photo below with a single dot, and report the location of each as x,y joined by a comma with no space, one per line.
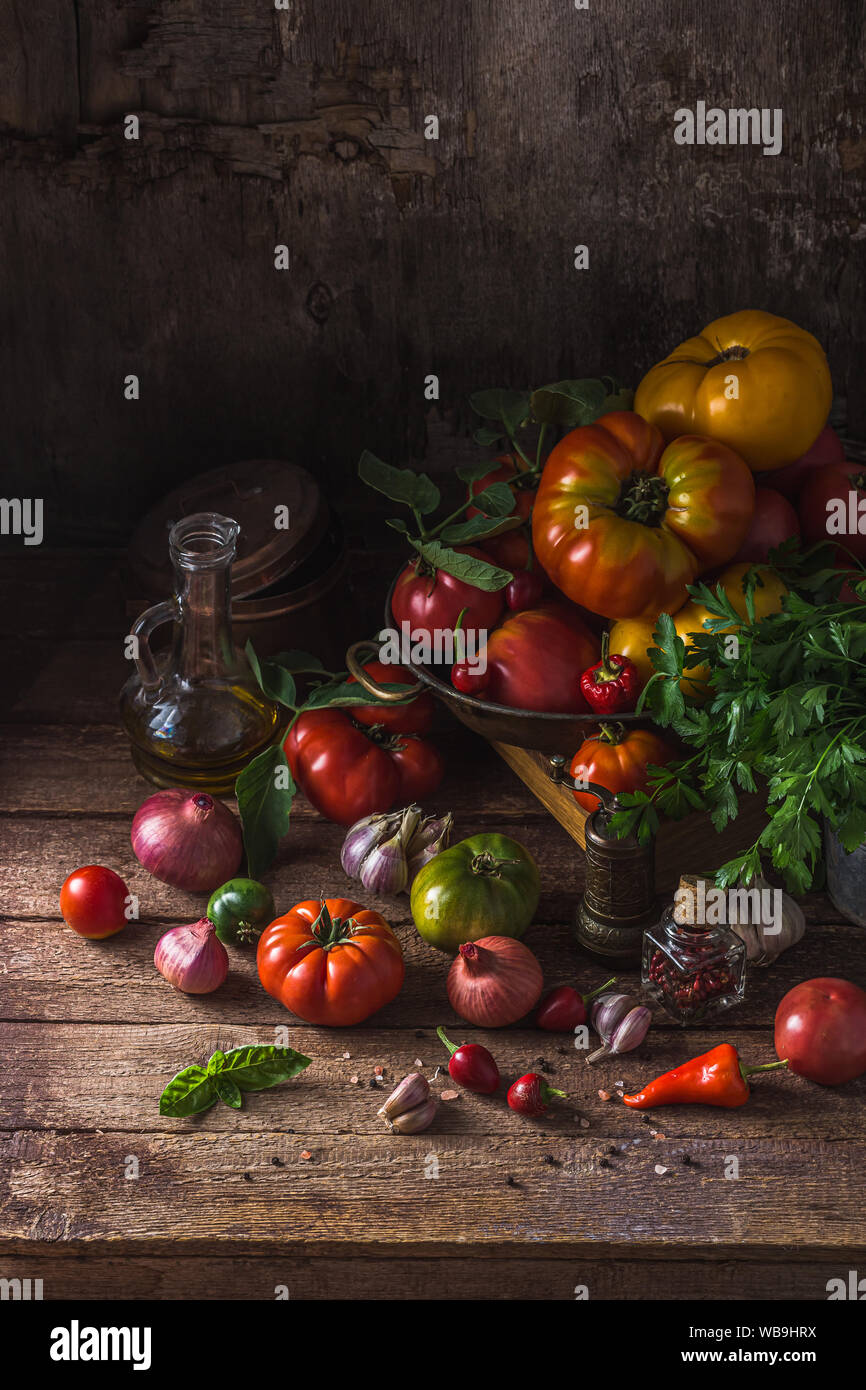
195,716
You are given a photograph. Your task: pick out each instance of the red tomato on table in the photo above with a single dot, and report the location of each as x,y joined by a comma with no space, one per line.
93,902
821,1030
331,962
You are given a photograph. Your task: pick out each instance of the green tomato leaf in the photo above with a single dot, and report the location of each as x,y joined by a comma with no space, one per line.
569,403
471,472
511,407
189,1093
486,435
479,573
478,528
255,1068
414,490
342,694
495,500
264,790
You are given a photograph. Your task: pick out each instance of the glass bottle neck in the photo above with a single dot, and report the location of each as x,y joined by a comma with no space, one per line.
203,647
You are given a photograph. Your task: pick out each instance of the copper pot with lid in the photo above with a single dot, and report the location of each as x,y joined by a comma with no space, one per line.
290,583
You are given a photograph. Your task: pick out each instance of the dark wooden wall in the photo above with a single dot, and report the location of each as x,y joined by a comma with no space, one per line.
305,126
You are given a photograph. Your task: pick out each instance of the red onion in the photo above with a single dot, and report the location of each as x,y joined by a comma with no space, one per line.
187,839
494,981
192,958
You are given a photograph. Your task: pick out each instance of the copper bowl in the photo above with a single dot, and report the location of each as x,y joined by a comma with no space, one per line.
523,728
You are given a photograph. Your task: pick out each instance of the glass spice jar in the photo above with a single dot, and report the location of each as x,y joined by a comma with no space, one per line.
691,967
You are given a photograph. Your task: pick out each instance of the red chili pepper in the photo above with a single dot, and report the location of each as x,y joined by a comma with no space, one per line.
717,1077
563,1009
472,1066
613,685
530,1094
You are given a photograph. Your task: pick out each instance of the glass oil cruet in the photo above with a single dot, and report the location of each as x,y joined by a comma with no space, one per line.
195,715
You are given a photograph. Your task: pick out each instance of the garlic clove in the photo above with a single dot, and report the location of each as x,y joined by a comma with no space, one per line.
364,836
432,836
414,1121
631,1030
412,1090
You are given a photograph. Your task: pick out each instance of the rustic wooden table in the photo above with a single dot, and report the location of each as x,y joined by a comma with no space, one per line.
100,1197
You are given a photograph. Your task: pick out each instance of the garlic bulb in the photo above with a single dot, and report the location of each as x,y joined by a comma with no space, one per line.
769,925
386,851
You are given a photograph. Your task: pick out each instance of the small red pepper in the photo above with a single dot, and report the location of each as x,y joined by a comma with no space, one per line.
563,1009
717,1077
530,1094
611,686
472,1066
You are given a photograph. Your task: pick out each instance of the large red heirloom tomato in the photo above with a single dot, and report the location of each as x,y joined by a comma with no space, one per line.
347,770
331,962
622,524
431,602
534,661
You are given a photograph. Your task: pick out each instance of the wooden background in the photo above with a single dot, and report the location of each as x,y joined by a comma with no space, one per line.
409,256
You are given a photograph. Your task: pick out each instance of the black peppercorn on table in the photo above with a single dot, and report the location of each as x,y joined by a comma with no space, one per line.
101,1197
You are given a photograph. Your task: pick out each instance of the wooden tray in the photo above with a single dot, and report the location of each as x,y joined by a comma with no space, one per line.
687,846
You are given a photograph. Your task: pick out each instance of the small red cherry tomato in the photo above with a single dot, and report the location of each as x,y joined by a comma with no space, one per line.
93,902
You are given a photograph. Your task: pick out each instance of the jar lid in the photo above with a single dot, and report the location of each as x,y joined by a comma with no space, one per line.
251,493
690,902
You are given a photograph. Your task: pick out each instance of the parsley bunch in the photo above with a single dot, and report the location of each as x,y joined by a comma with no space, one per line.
786,716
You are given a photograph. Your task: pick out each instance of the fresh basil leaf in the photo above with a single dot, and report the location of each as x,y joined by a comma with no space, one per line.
341,694
296,661
255,1068
569,403
478,528
479,573
215,1061
415,490
188,1093
264,790
228,1092
511,407
275,681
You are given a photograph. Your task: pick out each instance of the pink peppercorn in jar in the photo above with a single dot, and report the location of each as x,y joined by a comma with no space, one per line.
692,964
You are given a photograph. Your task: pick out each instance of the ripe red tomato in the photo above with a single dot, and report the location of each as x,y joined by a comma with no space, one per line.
618,760
828,448
821,1030
535,661
833,508
347,771
432,603
93,902
333,962
774,521
511,549
414,718
622,524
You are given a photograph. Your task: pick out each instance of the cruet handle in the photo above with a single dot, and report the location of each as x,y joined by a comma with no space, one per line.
167,612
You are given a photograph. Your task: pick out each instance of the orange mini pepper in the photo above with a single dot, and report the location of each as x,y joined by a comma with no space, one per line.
717,1077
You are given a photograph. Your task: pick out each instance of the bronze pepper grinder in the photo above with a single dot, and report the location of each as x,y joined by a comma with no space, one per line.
619,901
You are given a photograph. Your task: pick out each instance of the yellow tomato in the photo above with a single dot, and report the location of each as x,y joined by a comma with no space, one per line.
632,637
756,382
767,595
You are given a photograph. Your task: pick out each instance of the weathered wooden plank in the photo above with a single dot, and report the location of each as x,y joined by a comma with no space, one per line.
48,972
39,69
96,1077
69,769
214,1278
203,1193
